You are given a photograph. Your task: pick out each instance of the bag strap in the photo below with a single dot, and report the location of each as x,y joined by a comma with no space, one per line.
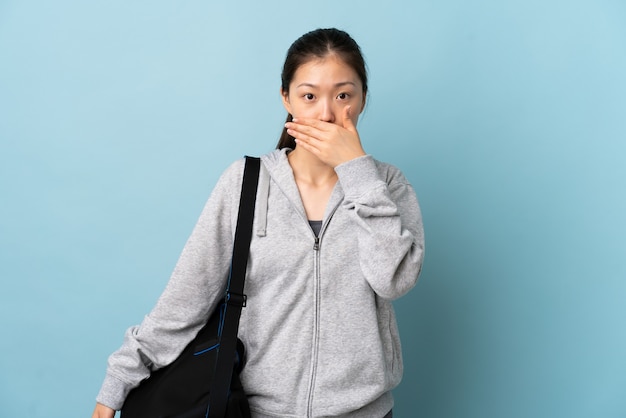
235,298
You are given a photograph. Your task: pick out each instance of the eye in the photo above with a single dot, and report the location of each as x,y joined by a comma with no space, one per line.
343,96
309,97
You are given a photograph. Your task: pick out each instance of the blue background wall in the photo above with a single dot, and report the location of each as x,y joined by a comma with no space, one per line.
116,119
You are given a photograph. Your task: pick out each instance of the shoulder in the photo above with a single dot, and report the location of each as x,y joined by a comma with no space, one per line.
228,182
275,158
235,169
232,176
390,173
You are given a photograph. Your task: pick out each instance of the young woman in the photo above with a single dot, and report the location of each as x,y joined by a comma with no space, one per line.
337,236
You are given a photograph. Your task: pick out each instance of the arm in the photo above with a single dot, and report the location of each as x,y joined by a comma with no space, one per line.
195,286
385,208
388,224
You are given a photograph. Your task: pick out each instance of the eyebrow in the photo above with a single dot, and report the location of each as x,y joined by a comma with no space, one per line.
343,83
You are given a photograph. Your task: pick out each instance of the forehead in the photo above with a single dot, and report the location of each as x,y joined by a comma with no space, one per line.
329,70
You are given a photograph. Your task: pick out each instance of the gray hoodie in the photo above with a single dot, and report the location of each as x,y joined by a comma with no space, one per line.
319,327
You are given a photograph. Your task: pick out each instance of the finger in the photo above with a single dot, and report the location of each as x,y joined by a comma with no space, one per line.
300,133
300,130
313,123
307,145
347,121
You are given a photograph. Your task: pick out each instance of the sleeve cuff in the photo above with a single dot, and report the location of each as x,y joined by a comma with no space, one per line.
113,392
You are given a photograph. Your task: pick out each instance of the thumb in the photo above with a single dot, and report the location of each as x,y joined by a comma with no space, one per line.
347,121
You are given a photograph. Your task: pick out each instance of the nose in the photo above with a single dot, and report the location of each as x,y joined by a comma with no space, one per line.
326,112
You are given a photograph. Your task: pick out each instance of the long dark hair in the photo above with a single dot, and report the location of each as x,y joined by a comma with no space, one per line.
319,44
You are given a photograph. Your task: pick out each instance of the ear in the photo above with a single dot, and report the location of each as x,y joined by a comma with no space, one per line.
363,104
285,97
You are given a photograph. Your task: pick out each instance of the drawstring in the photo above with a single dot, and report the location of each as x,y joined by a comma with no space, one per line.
261,201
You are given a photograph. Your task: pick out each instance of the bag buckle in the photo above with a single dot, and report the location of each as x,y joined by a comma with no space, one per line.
236,299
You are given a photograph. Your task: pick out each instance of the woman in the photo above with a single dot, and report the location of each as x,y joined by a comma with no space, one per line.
338,236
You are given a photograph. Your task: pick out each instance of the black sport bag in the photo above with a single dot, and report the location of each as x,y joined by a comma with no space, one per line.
183,388
203,382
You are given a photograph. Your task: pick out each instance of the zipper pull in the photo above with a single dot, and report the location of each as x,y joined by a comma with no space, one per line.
316,246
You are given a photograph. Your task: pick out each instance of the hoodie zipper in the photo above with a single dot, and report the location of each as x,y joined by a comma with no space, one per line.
317,301
316,326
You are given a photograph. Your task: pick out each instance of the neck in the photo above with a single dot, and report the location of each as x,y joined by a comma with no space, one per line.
310,169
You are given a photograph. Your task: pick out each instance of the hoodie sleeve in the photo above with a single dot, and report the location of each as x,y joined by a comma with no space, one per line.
388,224
195,286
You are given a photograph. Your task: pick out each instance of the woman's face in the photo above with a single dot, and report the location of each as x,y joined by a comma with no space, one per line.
322,88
